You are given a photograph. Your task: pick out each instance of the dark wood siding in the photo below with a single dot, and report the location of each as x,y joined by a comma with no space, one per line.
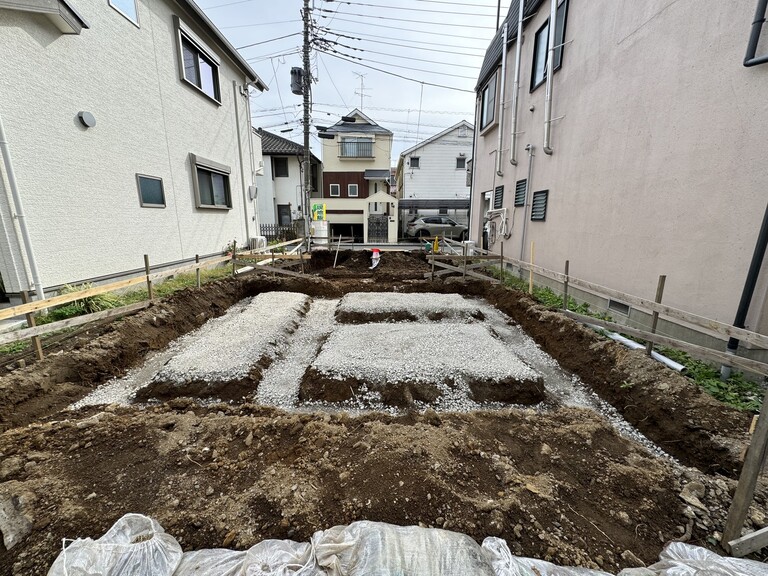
343,179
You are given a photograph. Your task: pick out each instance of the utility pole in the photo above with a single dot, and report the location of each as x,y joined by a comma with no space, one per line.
306,86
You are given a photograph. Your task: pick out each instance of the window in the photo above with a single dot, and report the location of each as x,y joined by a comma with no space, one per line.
199,67
151,193
352,190
539,205
415,162
211,183
335,190
127,8
498,197
356,147
521,187
540,46
488,103
461,163
280,167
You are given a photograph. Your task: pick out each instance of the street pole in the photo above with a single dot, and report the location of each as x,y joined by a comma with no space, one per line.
306,85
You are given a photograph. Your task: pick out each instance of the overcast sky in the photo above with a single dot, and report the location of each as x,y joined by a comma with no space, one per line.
429,41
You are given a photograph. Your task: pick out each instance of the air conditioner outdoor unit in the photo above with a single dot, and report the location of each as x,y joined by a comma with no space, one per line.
258,242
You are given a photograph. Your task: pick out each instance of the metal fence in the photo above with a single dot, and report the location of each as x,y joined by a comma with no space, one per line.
274,232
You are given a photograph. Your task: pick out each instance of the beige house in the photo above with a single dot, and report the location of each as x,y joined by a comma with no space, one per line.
128,128
631,142
356,180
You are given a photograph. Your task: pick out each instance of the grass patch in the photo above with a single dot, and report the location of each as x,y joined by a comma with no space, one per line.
543,295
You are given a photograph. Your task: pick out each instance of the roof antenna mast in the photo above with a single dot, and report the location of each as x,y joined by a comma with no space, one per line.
362,93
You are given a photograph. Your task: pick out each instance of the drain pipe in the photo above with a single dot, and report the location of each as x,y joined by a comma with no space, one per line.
530,149
749,289
550,73
19,208
632,345
502,95
516,86
754,35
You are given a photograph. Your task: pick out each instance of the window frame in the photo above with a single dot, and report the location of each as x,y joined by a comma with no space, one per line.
274,167
124,15
498,197
536,195
463,160
488,103
418,162
144,204
562,17
521,201
200,163
349,191
183,33
338,190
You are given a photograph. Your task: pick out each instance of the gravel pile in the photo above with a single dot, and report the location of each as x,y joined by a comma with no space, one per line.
419,306
413,352
226,348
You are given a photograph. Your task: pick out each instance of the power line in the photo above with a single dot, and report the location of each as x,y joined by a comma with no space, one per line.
259,24
330,77
390,7
404,67
278,88
456,3
400,75
395,109
389,18
343,34
270,40
400,45
441,34
256,59
401,57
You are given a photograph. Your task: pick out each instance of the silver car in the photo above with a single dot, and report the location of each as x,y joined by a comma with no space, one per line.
428,226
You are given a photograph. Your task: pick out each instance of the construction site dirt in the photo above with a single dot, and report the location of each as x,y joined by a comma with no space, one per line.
557,482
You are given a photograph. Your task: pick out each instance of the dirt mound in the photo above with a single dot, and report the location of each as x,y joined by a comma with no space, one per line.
393,265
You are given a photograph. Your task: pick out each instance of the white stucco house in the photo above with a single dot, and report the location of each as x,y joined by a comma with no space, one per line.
628,138
432,175
280,185
127,124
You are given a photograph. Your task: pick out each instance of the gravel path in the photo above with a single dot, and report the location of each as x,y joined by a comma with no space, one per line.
279,385
422,306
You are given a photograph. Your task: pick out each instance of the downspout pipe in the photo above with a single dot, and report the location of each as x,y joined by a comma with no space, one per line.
516,86
550,73
754,36
502,96
19,208
531,155
749,289
240,153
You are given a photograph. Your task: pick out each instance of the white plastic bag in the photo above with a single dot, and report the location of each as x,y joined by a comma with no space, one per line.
377,549
505,564
679,559
134,546
211,562
280,558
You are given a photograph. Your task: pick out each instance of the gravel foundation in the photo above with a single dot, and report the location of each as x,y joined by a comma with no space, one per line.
364,307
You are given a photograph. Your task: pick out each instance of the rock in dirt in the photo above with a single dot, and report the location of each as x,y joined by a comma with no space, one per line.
691,493
14,524
631,560
10,467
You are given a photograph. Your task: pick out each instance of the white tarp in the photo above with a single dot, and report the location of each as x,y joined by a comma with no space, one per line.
137,546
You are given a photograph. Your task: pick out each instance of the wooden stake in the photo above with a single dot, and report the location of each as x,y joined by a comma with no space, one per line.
501,262
433,265
234,255
31,323
530,273
565,285
273,264
655,320
197,272
301,257
337,251
464,274
149,282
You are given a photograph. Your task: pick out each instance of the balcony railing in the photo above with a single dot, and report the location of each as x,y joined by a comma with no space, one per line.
356,149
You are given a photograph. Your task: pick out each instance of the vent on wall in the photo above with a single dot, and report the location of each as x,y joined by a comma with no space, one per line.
619,307
539,205
520,188
498,197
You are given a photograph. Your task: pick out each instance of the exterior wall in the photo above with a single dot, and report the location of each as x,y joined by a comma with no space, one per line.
344,179
437,175
657,166
357,210
79,185
382,150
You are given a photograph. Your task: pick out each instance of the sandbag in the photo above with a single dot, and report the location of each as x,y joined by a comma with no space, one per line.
377,549
211,562
135,546
680,559
505,564
280,558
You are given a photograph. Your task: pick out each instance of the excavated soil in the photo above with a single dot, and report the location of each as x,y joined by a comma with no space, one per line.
557,484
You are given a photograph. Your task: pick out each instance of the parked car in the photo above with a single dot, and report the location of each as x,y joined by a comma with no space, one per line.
436,226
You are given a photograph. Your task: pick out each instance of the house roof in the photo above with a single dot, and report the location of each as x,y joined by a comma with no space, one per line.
274,145
366,126
230,50
436,137
493,54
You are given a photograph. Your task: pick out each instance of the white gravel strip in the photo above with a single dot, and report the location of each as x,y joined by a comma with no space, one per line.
422,306
414,352
279,385
227,347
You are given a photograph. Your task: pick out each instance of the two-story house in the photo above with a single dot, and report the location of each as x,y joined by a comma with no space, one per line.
280,186
432,175
127,125
356,177
627,138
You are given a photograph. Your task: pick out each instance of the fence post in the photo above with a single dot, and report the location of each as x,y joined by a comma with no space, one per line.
501,262
149,282
464,273
530,273
433,265
274,274
655,320
565,285
301,257
31,323
197,270
234,255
